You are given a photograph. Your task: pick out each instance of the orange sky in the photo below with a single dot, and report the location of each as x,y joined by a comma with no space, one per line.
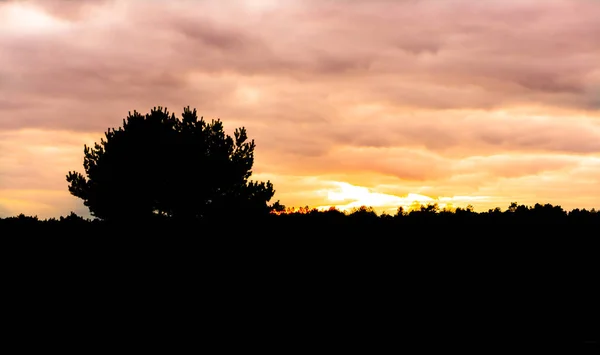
374,102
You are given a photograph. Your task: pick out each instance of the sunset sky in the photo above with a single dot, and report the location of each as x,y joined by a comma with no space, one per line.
374,102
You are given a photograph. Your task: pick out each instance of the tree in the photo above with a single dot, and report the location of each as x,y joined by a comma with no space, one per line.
159,165
363,214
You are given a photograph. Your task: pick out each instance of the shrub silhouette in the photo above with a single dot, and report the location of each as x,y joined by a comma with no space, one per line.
158,165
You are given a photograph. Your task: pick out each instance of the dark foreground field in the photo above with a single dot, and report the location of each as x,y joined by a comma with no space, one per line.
455,281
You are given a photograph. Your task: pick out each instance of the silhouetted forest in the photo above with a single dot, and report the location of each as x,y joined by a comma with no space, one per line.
172,200
520,277
426,218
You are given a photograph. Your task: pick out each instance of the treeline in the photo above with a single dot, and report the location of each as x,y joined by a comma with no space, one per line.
534,264
177,212
430,215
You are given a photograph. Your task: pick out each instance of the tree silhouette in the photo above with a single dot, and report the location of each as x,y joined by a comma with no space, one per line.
158,165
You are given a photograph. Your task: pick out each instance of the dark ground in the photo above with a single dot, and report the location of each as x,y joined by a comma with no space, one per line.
363,282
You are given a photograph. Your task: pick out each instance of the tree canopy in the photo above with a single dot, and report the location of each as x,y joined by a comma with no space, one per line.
160,165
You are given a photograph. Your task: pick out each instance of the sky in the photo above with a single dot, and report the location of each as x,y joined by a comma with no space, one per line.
375,102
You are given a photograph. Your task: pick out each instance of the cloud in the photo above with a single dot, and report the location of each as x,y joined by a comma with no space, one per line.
440,98
40,160
452,54
69,10
460,132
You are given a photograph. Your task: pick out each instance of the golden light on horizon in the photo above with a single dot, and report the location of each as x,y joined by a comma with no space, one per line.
346,197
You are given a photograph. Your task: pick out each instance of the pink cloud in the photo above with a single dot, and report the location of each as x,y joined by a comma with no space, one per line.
442,97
